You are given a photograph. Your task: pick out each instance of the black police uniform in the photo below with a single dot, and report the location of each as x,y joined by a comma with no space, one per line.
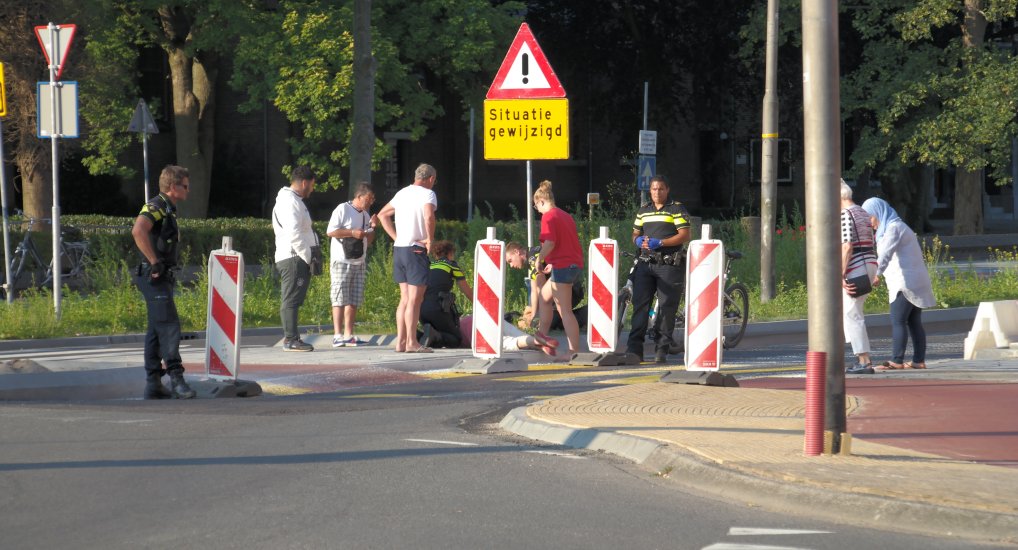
658,271
162,340
439,306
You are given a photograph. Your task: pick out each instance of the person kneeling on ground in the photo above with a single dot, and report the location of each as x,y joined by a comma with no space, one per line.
439,316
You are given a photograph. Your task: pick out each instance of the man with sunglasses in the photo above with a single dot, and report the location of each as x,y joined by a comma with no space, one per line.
156,234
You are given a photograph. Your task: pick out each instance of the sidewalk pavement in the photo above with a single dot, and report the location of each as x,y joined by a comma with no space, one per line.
933,451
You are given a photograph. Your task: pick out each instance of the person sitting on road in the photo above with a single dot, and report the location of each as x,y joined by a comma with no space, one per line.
439,315
513,339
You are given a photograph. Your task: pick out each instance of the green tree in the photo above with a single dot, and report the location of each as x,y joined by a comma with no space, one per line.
195,35
24,65
926,87
302,60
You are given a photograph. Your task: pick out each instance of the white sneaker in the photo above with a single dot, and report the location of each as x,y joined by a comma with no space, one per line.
338,342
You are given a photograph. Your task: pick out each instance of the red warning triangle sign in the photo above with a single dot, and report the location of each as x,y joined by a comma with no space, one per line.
525,71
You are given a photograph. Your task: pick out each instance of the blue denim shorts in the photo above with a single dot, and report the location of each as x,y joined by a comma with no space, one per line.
565,275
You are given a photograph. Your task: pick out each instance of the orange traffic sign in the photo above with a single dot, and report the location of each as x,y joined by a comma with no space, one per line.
525,72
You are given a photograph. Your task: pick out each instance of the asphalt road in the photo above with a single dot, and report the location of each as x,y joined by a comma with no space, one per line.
419,464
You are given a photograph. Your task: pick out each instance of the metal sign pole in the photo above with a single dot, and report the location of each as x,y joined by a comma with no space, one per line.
470,171
530,206
8,283
144,154
54,137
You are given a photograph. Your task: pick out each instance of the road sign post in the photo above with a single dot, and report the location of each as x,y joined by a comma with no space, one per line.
8,282
55,41
143,123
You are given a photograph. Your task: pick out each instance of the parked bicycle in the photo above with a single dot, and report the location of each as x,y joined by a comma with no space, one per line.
26,259
735,314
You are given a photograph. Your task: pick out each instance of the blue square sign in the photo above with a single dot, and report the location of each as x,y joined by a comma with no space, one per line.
646,167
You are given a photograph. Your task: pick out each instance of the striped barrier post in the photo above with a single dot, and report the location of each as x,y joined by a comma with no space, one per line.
226,306
602,285
489,287
705,267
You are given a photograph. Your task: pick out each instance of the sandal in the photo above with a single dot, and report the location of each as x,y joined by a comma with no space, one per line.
550,351
889,365
911,365
421,349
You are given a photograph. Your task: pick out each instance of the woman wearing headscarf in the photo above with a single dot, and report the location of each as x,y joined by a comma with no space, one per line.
900,261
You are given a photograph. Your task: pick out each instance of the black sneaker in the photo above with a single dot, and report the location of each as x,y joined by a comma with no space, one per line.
661,356
859,369
297,345
638,354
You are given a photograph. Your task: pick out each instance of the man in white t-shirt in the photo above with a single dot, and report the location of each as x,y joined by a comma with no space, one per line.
409,219
352,230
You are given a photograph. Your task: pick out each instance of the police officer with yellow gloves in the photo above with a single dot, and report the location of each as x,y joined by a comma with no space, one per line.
660,232
156,235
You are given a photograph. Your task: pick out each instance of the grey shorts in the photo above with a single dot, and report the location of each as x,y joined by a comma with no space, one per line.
347,287
410,264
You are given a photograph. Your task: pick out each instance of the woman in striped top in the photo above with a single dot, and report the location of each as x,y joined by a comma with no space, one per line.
857,258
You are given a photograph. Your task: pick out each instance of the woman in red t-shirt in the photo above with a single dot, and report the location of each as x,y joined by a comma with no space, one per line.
563,259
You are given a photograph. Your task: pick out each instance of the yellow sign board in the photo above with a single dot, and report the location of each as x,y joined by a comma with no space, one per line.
526,129
3,94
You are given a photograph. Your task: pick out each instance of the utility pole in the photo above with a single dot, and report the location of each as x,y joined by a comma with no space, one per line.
821,130
769,164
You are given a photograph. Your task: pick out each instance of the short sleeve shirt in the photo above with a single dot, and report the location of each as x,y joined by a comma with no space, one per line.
346,216
441,277
661,223
409,205
559,227
164,234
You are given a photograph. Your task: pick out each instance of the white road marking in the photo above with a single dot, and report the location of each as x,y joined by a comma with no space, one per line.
728,546
440,442
750,531
553,453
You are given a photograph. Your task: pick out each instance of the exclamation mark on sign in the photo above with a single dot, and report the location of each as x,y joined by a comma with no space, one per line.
526,68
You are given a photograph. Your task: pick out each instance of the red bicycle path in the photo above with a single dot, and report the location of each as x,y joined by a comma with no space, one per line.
961,419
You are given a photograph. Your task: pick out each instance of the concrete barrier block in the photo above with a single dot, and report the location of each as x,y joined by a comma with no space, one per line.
995,326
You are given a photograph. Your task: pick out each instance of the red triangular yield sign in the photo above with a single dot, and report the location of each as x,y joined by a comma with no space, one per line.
525,71
64,35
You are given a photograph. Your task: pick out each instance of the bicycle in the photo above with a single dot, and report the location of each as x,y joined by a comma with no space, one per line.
75,257
735,314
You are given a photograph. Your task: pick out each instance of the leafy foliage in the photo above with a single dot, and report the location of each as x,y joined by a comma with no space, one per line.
302,61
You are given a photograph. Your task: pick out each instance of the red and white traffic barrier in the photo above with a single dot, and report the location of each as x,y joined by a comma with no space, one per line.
226,306
489,287
602,300
705,265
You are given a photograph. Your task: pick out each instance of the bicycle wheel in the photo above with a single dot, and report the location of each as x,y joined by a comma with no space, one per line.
625,299
736,314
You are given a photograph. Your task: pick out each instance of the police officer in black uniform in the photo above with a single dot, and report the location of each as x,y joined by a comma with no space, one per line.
660,233
440,318
156,235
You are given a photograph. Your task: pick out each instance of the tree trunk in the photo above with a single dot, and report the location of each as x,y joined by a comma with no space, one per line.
193,80
968,189
968,202
36,183
362,142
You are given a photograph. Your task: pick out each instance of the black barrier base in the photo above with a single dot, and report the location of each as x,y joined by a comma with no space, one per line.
705,378
207,389
613,359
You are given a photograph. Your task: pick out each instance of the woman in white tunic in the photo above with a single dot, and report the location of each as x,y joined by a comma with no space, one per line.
900,261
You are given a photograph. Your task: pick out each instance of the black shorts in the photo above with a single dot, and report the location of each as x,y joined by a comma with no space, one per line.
410,264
